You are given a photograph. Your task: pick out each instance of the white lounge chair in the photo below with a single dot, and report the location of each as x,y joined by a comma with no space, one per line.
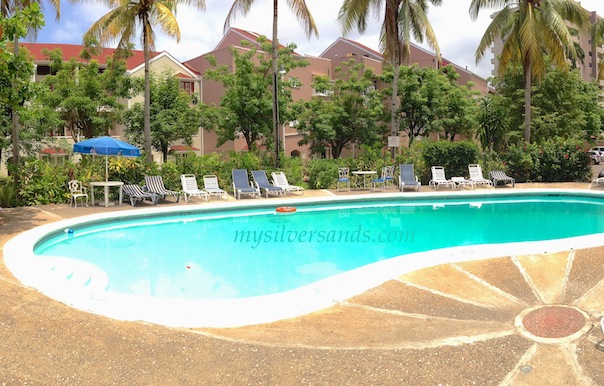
241,184
261,181
407,177
155,184
498,176
439,179
210,185
77,190
280,180
598,180
476,175
190,188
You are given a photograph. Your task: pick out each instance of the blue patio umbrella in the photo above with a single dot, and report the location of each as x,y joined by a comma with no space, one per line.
106,146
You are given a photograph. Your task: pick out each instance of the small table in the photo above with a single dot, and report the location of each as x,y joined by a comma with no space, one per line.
461,182
106,185
365,174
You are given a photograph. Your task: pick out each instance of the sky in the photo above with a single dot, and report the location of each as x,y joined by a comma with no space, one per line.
457,34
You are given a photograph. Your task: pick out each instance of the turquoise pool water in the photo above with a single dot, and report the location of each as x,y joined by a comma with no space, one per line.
252,252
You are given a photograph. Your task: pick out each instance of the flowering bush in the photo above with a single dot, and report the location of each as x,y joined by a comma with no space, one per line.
554,160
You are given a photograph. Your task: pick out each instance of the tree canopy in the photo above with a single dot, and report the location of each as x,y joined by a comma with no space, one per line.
346,111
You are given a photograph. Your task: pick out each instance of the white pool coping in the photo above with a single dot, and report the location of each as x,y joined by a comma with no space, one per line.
33,271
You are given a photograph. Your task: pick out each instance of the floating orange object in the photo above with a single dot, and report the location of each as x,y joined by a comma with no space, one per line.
285,209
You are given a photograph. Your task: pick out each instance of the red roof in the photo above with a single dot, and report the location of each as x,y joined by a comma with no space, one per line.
183,148
73,51
53,151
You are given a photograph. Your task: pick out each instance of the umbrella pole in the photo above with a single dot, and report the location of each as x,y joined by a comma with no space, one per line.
106,169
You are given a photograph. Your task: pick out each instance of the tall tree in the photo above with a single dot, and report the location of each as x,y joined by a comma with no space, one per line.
245,108
349,111
15,70
403,20
531,30
174,118
122,23
303,15
9,8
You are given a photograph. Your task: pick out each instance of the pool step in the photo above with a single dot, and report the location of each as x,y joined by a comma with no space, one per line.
76,273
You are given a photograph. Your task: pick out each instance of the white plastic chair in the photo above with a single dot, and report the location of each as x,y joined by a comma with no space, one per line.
189,188
77,190
280,180
210,185
439,179
477,177
343,178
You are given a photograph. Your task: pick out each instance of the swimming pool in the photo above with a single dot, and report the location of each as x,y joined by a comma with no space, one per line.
211,264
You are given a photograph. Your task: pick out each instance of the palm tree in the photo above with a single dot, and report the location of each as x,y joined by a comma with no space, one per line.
530,29
303,15
403,19
7,9
122,23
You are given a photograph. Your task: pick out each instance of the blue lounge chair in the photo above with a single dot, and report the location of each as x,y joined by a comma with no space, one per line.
407,177
155,184
241,184
261,181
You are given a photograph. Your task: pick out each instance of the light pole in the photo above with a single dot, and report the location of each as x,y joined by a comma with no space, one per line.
276,123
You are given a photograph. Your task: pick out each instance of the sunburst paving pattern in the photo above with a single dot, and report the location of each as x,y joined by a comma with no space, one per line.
516,320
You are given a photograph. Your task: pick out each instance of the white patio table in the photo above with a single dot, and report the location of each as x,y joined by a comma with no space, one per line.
106,185
364,174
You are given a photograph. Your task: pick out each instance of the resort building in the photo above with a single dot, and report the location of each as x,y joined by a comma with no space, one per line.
190,75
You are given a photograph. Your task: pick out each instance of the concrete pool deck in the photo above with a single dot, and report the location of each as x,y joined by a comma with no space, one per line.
478,322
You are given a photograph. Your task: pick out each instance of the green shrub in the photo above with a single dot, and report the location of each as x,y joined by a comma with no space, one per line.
42,183
8,196
322,173
453,156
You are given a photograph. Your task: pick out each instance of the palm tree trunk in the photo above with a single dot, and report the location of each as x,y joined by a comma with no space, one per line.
393,113
147,110
15,124
527,103
275,90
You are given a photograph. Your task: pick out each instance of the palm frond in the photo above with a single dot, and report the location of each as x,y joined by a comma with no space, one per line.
302,13
238,9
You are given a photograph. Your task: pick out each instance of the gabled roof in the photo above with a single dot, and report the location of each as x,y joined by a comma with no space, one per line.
73,51
373,54
245,35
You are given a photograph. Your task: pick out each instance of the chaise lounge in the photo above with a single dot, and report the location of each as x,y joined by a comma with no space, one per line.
241,184
261,181
498,176
135,193
407,177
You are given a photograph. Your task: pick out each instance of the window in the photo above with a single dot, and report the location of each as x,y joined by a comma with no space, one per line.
294,82
189,87
42,70
324,93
